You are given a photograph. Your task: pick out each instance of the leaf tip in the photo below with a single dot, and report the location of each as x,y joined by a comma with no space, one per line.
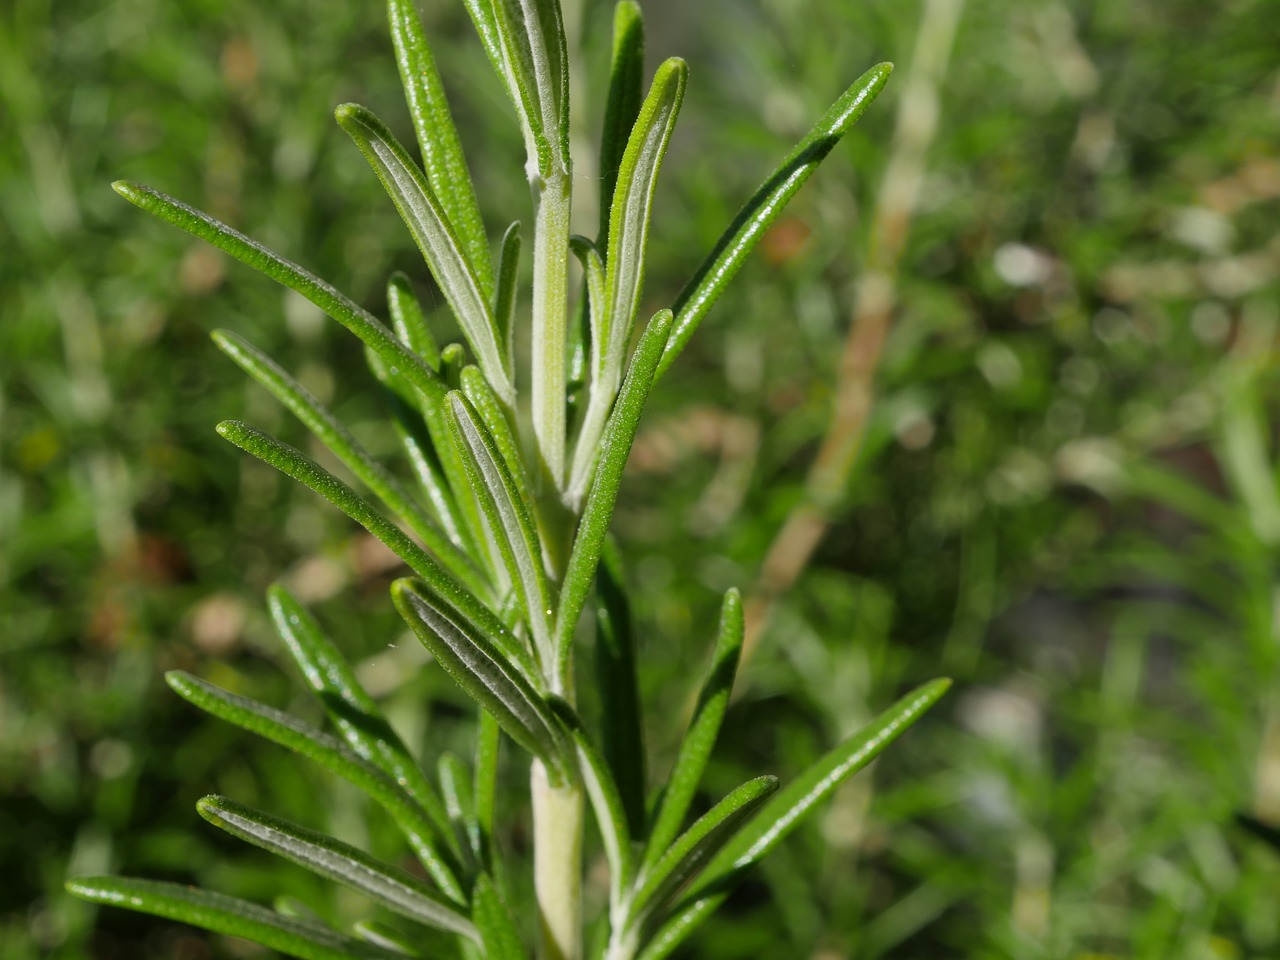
127,189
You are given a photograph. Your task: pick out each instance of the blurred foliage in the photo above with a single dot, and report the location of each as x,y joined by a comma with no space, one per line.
1067,497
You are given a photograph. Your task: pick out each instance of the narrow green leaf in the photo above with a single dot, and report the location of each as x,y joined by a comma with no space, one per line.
352,710
387,937
290,732
597,300
227,915
498,24
455,787
697,845
517,538
544,26
504,301
605,803
328,430
408,319
494,417
340,307
621,726
497,929
443,161
615,447
488,745
700,738
293,463
440,246
625,260
425,458
295,909
765,206
784,812
626,83
482,671
388,885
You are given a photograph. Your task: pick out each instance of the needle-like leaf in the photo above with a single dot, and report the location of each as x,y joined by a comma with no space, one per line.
504,300
700,738
625,258
505,507
455,787
443,161
409,321
765,206
615,447
605,802
290,732
388,885
351,709
227,915
488,745
697,845
485,402
440,246
626,83
497,929
355,318
784,812
621,726
387,937
330,431
295,464
420,449
482,671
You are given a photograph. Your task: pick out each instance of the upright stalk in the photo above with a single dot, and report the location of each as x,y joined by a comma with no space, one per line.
557,864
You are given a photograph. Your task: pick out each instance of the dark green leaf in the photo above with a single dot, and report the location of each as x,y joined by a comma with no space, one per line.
615,447
700,738
388,885
290,732
295,464
497,929
227,915
408,319
694,849
443,161
482,671
766,206
356,319
626,79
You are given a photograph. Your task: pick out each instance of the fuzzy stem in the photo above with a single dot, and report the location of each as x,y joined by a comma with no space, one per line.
552,199
557,870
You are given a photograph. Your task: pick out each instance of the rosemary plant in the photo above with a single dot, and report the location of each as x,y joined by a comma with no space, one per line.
507,536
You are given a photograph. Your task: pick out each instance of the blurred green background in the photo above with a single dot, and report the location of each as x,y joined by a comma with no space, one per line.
1066,494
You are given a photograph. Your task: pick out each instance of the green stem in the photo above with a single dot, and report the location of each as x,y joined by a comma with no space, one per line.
557,846
552,200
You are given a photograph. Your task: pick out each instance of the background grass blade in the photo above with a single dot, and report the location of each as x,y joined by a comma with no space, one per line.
482,671
227,915
766,206
615,447
440,246
443,161
389,886
700,738
293,463
338,306
290,732
349,707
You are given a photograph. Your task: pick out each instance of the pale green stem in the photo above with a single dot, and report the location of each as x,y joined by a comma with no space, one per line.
557,864
552,199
